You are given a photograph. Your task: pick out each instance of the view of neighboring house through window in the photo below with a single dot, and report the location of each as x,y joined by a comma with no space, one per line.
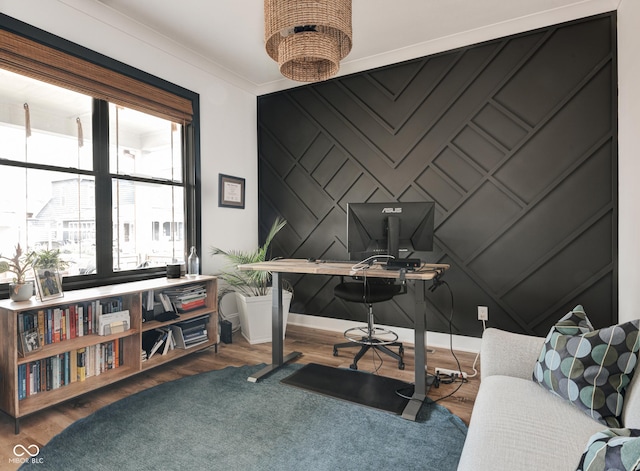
148,149
50,167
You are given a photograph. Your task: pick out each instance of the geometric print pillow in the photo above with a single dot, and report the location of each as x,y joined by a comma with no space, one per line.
589,368
612,449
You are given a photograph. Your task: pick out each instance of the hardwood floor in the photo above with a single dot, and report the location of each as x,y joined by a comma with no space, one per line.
316,346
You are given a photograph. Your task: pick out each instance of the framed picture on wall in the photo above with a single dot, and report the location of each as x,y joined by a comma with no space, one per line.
230,191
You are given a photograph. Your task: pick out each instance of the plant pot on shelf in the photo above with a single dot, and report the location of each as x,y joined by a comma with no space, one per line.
256,313
21,291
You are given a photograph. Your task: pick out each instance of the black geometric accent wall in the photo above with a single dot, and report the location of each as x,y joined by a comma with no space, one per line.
514,139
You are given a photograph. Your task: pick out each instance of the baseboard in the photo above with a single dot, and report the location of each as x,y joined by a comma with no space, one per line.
434,339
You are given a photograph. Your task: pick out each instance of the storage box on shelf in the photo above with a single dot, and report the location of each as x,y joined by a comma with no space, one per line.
70,358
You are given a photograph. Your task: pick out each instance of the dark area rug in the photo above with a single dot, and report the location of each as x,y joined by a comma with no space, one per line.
350,385
220,421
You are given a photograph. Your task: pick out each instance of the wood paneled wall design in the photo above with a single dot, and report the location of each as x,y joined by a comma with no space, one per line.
514,139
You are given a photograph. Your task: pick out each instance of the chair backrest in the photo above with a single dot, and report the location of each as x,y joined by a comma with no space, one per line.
372,290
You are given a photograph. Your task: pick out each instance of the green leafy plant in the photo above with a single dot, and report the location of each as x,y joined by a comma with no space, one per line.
19,264
49,258
249,282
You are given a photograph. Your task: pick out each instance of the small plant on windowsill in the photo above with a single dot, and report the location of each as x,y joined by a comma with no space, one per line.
19,264
49,259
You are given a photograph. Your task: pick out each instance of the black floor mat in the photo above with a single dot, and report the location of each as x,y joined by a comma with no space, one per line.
355,386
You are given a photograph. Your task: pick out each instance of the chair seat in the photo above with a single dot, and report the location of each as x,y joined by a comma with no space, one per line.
370,293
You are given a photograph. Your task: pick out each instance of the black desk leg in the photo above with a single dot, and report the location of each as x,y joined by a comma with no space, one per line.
420,392
277,345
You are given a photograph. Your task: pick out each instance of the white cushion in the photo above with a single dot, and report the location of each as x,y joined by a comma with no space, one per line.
517,425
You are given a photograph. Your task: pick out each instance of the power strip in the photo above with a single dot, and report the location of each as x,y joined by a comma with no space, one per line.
450,373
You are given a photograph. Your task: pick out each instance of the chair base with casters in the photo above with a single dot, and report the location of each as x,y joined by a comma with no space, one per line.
370,337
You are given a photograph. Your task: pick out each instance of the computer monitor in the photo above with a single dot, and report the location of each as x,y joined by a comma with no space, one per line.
394,229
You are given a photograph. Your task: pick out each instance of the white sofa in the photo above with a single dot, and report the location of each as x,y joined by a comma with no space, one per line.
517,425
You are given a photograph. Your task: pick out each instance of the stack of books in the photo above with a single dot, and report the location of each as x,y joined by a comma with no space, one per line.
188,334
187,298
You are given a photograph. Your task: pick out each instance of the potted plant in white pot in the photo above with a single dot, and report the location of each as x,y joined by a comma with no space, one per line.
19,264
253,289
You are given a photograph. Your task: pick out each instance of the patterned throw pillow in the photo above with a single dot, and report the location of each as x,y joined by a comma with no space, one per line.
612,449
590,368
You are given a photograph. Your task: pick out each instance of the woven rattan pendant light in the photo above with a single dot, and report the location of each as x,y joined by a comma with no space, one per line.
307,38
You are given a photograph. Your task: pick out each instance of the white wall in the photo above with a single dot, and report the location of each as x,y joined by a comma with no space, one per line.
227,112
629,159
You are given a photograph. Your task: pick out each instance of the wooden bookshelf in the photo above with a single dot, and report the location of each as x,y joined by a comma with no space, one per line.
131,296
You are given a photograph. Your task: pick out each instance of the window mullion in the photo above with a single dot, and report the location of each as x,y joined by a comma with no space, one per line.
104,202
191,172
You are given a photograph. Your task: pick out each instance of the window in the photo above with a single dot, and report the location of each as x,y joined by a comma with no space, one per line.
107,179
47,171
147,151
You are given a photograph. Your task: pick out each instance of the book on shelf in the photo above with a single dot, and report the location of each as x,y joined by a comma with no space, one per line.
188,297
191,305
73,367
149,338
69,367
169,343
164,342
81,355
194,322
159,341
166,302
41,326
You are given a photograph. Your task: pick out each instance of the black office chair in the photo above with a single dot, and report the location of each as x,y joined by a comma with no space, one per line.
370,291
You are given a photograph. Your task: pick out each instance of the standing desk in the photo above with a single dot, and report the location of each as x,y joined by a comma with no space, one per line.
425,273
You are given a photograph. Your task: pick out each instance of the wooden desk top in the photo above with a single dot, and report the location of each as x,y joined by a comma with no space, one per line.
320,267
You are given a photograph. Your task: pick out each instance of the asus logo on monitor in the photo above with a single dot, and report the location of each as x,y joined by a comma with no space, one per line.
391,210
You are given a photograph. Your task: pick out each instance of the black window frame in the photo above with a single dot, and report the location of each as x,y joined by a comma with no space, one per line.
100,126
